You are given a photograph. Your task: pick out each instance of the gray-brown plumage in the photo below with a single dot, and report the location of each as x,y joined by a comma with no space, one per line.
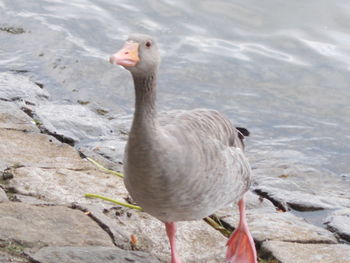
179,165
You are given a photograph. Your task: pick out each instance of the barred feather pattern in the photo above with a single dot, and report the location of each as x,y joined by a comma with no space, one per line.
187,166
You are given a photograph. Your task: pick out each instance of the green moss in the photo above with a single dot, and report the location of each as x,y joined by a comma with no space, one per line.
12,30
101,112
2,181
83,102
37,123
12,248
7,174
267,261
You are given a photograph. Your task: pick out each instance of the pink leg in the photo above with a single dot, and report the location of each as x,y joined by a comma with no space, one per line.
171,231
241,247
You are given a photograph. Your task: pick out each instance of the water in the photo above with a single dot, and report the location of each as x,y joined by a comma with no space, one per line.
281,69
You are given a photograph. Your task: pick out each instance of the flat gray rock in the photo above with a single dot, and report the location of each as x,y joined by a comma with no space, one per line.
75,122
8,258
11,117
339,222
272,225
301,188
18,148
120,237
30,200
286,252
64,186
90,255
197,242
254,201
112,149
3,196
14,87
38,226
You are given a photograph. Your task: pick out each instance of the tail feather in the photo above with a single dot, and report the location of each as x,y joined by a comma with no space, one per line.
242,132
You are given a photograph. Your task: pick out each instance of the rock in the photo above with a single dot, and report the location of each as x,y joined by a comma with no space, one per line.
75,122
65,186
11,117
287,252
121,239
38,226
111,149
30,200
339,222
19,88
272,225
90,255
301,188
197,242
98,155
3,196
37,150
254,201
8,258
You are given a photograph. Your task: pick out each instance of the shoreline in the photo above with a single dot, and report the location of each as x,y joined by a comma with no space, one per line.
45,178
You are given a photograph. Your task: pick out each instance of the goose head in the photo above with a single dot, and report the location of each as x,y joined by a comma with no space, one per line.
139,55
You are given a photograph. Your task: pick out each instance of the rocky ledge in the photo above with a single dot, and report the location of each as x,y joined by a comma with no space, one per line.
44,216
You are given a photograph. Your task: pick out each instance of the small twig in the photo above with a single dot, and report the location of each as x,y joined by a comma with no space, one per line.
104,168
114,201
217,226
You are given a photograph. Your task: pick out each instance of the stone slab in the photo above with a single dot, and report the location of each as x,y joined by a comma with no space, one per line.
286,252
8,258
339,222
14,87
38,226
273,225
65,186
18,148
111,149
197,242
75,122
301,188
90,255
120,237
3,196
12,117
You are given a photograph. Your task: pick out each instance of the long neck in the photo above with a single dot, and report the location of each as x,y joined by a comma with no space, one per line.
145,103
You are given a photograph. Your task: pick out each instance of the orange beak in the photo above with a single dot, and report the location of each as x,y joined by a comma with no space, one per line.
128,56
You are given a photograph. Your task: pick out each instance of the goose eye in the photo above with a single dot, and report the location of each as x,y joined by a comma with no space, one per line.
148,43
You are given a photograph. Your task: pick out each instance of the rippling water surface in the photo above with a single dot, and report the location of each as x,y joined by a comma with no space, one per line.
280,68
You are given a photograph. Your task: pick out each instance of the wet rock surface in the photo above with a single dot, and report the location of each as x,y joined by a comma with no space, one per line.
287,252
110,149
13,118
3,196
74,122
339,222
301,188
52,221
18,88
282,226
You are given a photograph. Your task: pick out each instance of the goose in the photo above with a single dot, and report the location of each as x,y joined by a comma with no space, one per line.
182,165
